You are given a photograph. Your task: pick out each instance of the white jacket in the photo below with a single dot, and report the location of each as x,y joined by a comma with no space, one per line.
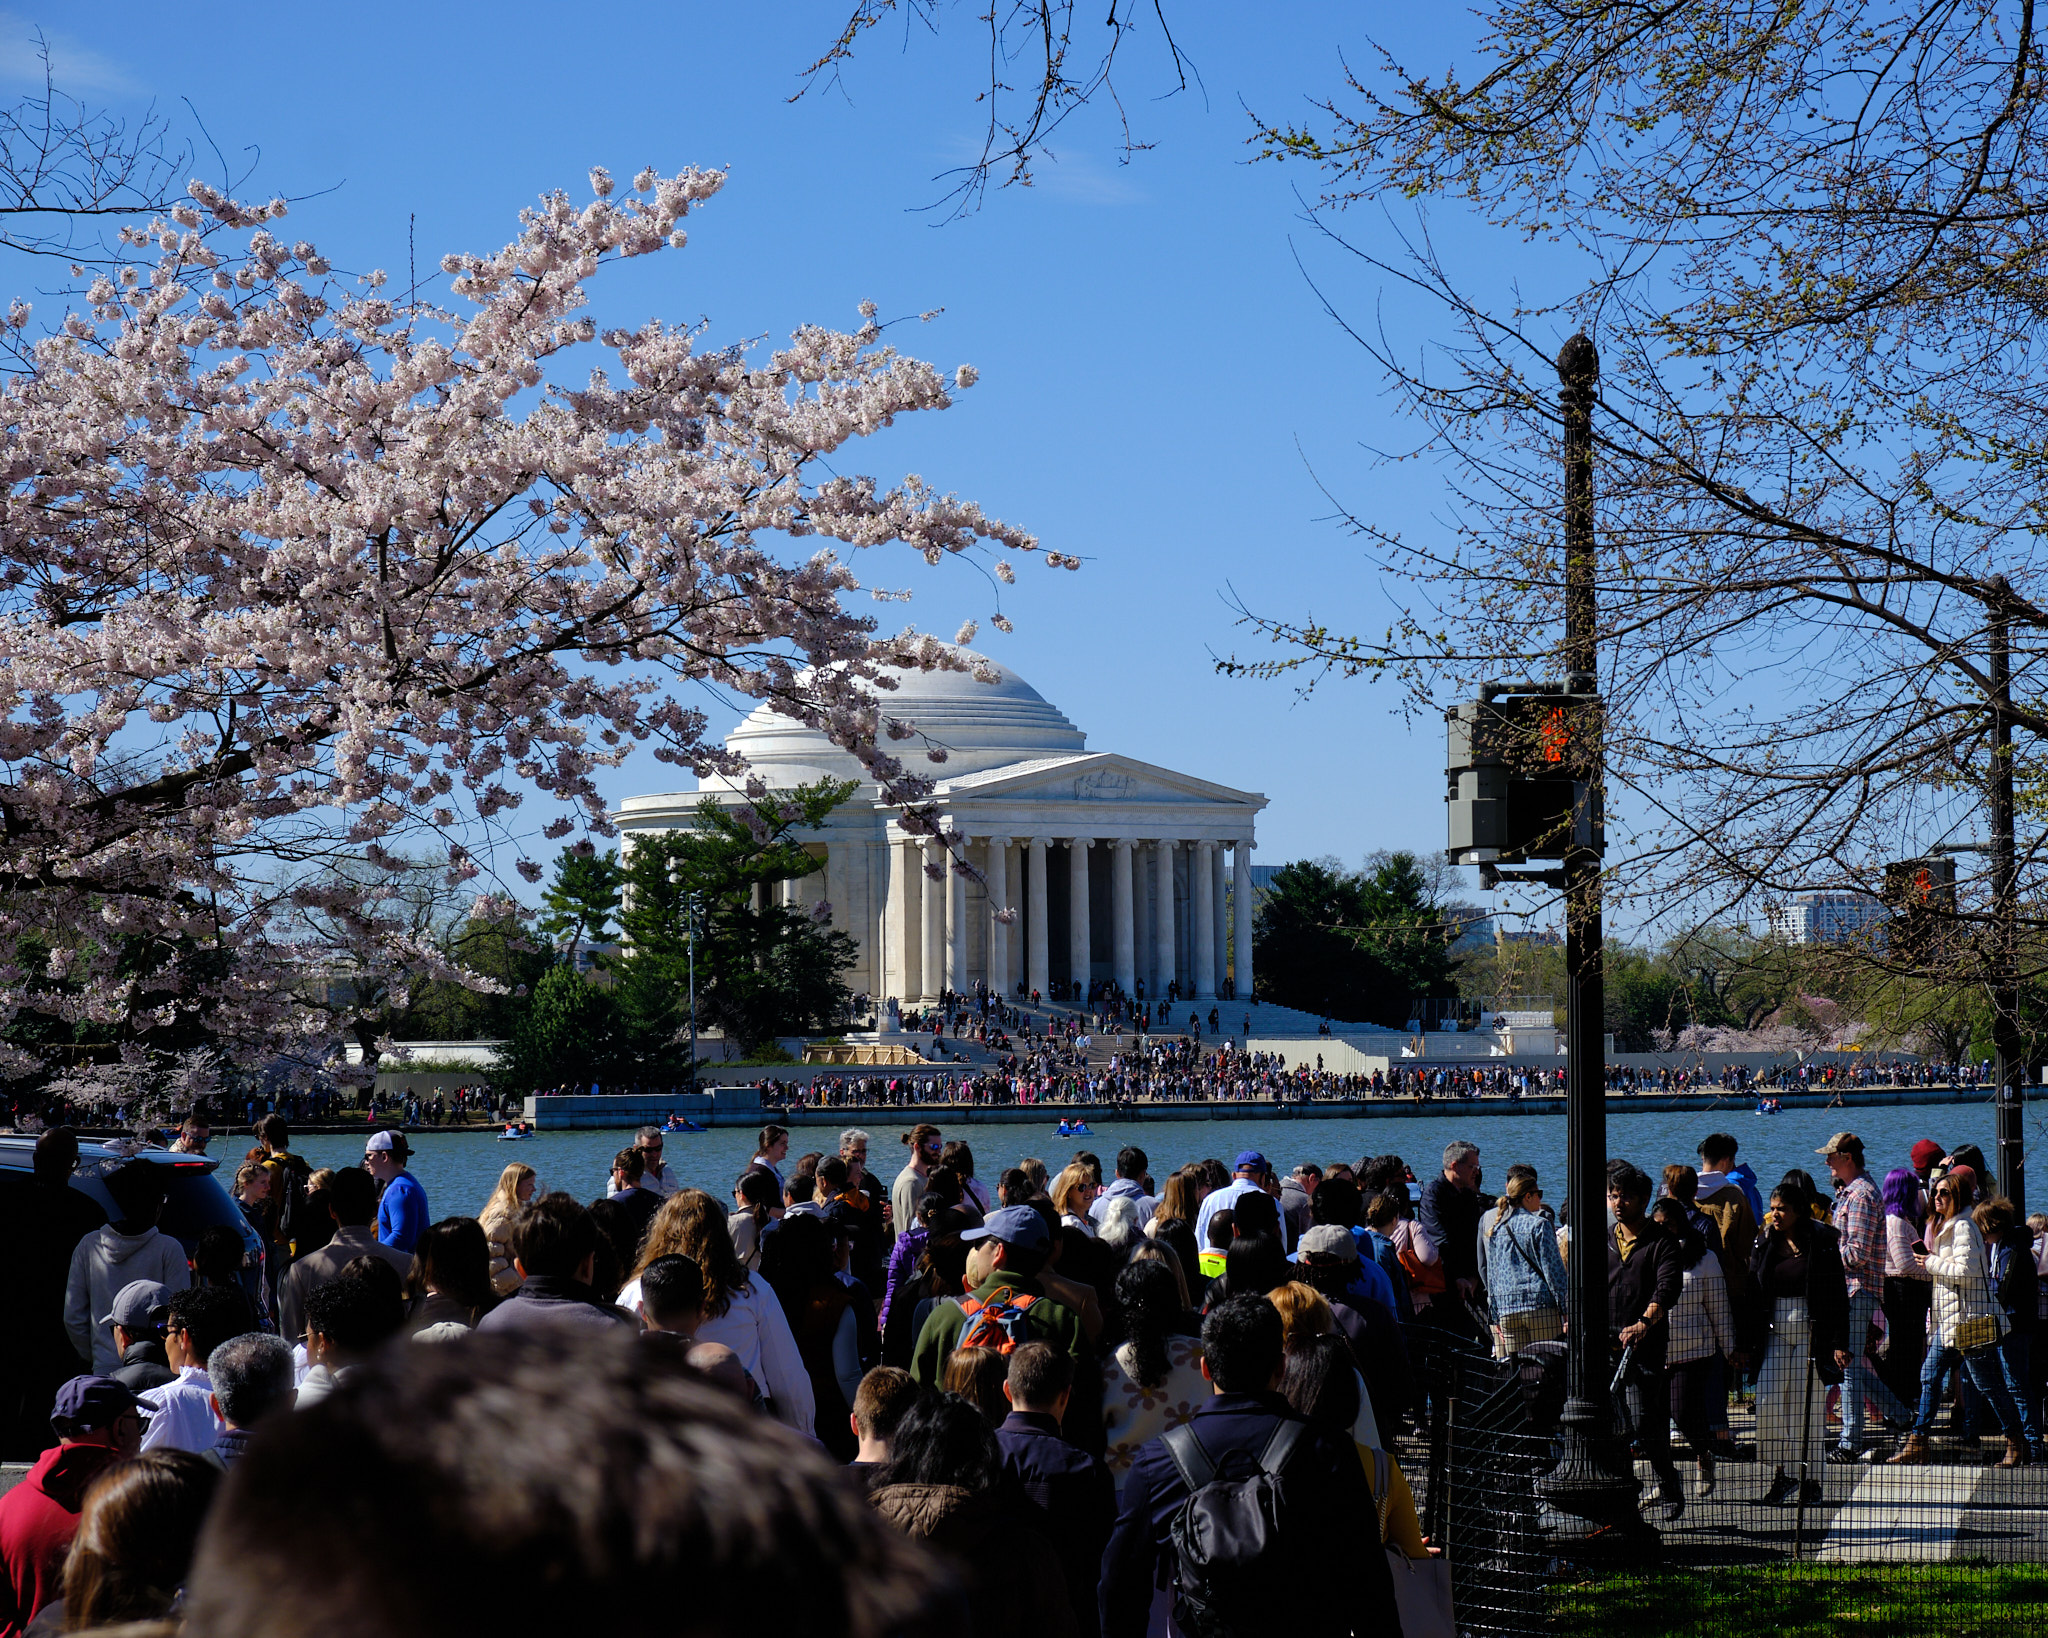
754,1328
103,1262
1962,1286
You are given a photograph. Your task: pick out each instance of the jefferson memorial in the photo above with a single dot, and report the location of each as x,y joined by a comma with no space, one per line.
1115,868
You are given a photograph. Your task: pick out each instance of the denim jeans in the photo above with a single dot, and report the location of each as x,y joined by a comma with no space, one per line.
1862,1379
2012,1359
1985,1370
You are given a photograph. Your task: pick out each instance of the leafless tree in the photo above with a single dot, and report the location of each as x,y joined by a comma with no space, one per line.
68,171
1816,268
1038,75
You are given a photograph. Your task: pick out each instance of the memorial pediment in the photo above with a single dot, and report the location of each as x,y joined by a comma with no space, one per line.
1099,777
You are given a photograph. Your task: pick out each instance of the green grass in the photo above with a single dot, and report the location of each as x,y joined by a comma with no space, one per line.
1810,1601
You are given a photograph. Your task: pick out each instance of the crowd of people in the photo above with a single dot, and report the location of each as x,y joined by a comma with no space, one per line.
1061,1402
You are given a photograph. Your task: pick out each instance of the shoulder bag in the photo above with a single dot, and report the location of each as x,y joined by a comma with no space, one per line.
1422,1586
1975,1335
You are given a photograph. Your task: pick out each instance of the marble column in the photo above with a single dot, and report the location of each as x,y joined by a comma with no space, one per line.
1162,909
1077,911
1241,914
1202,931
933,968
998,874
956,916
905,923
1037,946
1222,927
1123,932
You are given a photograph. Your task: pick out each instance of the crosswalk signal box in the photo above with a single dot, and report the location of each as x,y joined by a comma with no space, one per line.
1522,775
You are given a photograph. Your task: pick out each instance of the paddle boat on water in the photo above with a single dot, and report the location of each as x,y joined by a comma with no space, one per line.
1073,1129
517,1131
1770,1106
676,1123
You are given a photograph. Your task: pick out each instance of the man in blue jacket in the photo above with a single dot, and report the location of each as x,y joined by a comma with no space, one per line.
1330,1576
402,1206
1070,1492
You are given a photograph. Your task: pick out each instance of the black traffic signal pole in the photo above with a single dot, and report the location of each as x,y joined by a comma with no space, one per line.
2009,1071
1593,1486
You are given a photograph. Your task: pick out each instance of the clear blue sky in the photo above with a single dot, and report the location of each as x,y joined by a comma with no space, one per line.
1160,390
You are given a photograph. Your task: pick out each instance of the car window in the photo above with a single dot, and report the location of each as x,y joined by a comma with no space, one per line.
197,1202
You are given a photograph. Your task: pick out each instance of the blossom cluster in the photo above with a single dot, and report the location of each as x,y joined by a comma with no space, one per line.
294,571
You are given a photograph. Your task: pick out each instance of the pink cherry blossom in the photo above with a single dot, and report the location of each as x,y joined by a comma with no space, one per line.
299,576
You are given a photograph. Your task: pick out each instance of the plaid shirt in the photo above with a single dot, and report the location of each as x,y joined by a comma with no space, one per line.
1702,1324
1859,1220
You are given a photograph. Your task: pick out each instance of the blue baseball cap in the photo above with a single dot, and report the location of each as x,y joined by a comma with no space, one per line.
1249,1160
1018,1226
88,1403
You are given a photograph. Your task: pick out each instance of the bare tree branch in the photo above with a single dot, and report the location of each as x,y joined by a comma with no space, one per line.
1035,79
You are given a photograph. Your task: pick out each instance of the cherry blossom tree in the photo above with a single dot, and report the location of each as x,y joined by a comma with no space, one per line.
296,574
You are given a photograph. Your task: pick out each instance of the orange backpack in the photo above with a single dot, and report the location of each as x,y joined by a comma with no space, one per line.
998,1323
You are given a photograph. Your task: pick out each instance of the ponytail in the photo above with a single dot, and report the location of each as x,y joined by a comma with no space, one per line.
1519,1184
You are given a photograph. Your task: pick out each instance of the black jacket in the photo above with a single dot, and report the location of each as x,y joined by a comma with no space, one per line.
1450,1217
1382,1359
1652,1272
1072,1499
1827,1294
2019,1288
1333,1582
144,1366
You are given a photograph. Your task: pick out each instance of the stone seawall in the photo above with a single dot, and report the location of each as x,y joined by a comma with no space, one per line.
743,1106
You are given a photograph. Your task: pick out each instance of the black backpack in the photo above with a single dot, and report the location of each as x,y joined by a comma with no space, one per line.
1229,1537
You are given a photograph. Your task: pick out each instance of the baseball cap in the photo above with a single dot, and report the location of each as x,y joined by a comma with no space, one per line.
1331,1240
88,1403
1248,1160
1925,1153
1842,1143
394,1141
1017,1226
139,1305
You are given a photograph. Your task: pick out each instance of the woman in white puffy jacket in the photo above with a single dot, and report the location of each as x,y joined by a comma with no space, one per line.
1965,1323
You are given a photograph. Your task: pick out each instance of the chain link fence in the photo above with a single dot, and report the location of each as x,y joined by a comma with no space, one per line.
1776,1539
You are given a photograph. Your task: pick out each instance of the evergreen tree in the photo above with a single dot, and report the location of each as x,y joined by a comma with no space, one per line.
1355,946
763,968
570,1030
579,904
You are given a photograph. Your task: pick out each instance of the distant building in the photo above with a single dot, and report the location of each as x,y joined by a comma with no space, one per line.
1827,918
589,952
1544,937
1470,929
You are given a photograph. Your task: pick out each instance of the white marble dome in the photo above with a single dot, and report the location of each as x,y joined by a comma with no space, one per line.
1085,864
980,724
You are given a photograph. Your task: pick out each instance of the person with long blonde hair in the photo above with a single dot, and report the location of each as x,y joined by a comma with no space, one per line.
1305,1313
1158,1251
516,1185
1173,1219
1525,1276
1073,1192
740,1309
